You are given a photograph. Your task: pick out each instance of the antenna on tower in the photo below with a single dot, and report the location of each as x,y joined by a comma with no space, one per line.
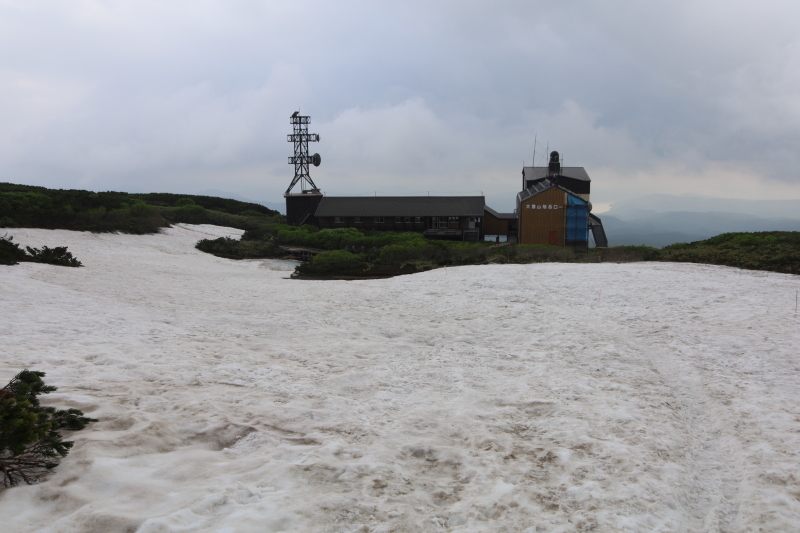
533,164
301,160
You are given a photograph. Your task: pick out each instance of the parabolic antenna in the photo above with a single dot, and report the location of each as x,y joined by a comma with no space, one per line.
316,160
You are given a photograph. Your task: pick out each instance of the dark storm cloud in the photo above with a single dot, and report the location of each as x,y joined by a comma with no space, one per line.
408,96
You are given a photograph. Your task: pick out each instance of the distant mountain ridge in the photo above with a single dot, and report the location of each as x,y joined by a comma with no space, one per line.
662,219
666,203
277,206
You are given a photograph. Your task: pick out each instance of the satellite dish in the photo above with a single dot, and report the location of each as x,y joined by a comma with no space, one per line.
316,160
295,114
589,207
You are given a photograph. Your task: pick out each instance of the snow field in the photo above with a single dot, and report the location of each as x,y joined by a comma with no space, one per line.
546,397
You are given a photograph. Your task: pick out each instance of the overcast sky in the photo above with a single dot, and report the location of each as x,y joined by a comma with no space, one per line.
408,97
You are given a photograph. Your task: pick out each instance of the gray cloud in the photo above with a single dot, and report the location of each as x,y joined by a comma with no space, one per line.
408,97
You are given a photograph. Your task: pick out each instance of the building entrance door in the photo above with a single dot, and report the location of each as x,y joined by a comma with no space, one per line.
554,238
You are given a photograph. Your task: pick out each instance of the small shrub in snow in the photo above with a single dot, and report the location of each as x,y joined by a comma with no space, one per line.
53,256
11,254
30,441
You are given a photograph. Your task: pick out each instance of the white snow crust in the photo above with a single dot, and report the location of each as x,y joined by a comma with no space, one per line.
547,397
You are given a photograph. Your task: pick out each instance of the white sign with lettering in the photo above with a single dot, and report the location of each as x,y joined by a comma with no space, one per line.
541,206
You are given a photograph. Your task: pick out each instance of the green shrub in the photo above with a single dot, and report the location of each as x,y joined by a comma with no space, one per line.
53,256
236,249
252,213
627,254
334,262
526,253
38,207
11,254
402,254
30,438
196,214
777,251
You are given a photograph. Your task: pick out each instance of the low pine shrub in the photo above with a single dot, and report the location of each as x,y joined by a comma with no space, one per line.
30,438
11,254
334,262
53,256
236,249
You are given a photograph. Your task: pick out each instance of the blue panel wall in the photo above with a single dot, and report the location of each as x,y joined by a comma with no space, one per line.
577,220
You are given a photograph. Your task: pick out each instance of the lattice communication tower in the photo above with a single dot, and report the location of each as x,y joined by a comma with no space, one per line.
301,160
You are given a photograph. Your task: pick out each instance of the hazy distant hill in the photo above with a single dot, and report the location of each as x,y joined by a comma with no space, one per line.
667,203
277,206
662,219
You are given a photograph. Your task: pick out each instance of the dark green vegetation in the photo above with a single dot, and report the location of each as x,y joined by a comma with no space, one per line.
368,253
26,206
38,207
236,249
426,255
30,438
777,251
11,254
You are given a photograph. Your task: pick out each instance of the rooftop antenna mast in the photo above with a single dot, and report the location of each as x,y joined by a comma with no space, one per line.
536,136
301,160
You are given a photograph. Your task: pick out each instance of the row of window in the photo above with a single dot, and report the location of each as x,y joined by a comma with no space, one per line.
436,221
381,220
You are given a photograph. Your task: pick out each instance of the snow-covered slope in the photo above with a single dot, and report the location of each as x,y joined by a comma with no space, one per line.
546,397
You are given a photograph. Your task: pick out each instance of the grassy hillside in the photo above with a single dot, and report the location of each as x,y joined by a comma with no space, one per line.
39,207
776,251
351,252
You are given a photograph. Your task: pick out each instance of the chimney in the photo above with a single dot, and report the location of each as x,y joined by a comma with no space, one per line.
554,168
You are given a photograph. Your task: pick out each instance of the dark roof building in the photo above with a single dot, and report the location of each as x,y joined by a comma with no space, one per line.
554,207
401,206
444,217
539,187
573,178
500,216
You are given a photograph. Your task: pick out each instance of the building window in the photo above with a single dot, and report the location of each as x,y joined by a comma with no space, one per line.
338,220
357,220
417,220
408,219
379,220
398,220
439,222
